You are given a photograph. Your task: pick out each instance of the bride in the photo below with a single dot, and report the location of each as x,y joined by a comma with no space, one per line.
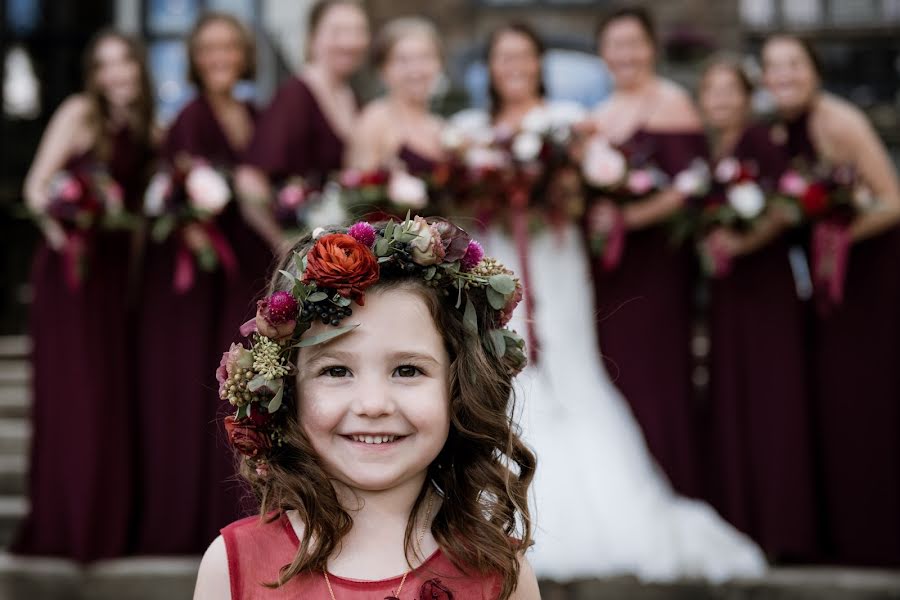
602,506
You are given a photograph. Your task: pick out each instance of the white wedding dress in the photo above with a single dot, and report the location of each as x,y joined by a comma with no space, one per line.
601,506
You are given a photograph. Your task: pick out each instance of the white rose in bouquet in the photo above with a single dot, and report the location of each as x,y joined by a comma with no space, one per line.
603,165
747,199
537,120
527,146
207,190
727,169
407,191
326,210
157,191
482,158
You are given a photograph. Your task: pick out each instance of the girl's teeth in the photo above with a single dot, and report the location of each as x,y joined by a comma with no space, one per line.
374,439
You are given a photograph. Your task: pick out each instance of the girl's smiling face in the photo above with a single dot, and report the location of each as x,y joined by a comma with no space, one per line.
374,403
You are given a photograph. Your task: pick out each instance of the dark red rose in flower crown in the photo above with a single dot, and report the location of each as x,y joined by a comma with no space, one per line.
815,199
433,589
248,436
454,240
276,316
507,312
339,262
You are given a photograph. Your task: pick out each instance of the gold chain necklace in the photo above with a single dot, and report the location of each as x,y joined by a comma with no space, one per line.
418,547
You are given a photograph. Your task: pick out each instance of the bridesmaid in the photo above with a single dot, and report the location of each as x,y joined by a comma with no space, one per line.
761,465
399,130
305,128
644,305
856,348
175,361
81,485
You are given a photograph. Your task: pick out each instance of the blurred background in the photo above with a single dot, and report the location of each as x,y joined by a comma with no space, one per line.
41,43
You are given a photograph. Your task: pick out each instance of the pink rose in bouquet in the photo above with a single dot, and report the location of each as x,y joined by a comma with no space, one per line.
207,190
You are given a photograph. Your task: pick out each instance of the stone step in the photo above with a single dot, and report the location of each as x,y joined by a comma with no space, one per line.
15,373
14,346
12,510
15,435
15,401
13,474
133,578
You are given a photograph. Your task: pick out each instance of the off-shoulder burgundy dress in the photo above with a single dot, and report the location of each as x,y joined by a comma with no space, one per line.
856,352
294,137
761,470
644,313
188,488
81,475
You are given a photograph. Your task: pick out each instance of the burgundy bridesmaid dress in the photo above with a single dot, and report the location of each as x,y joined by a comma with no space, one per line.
644,311
416,163
81,485
294,137
761,470
182,449
856,352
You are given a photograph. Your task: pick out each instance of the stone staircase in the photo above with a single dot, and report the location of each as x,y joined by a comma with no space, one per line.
172,578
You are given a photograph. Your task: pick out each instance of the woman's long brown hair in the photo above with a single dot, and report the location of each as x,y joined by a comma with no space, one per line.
482,474
140,113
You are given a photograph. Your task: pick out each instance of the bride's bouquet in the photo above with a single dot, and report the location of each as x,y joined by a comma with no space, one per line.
186,200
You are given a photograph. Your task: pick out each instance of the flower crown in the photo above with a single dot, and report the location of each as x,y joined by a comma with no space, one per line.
335,272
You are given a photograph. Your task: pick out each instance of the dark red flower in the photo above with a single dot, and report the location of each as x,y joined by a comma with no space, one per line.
379,177
454,240
341,263
433,589
815,199
249,436
276,316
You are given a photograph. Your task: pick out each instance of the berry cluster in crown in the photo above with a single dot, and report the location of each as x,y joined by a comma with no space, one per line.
324,283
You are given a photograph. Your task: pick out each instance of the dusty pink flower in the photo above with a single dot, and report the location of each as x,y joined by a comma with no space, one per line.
427,248
363,233
640,181
207,190
291,196
236,358
474,254
792,184
603,165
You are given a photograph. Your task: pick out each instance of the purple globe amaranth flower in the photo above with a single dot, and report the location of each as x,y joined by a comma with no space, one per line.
363,233
281,307
474,254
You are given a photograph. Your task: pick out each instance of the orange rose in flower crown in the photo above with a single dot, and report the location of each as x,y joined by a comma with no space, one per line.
340,262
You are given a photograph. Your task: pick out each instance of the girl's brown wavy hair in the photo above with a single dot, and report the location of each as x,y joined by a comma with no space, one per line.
482,474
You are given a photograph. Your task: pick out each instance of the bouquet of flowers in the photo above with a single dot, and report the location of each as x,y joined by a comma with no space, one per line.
384,193
826,198
735,201
499,172
609,172
85,201
186,200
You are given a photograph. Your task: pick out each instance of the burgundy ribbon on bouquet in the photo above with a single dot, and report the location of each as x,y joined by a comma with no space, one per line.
185,270
74,256
615,244
830,252
519,213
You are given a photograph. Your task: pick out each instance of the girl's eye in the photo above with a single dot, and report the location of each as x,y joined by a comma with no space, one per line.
407,371
336,372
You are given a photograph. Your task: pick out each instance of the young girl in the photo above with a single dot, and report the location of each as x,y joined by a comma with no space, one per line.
373,418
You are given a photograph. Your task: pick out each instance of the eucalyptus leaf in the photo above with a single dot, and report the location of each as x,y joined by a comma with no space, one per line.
383,259
289,275
275,403
326,336
257,383
498,342
502,283
242,412
317,297
162,228
299,263
470,318
429,273
389,229
382,247
495,299
341,301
